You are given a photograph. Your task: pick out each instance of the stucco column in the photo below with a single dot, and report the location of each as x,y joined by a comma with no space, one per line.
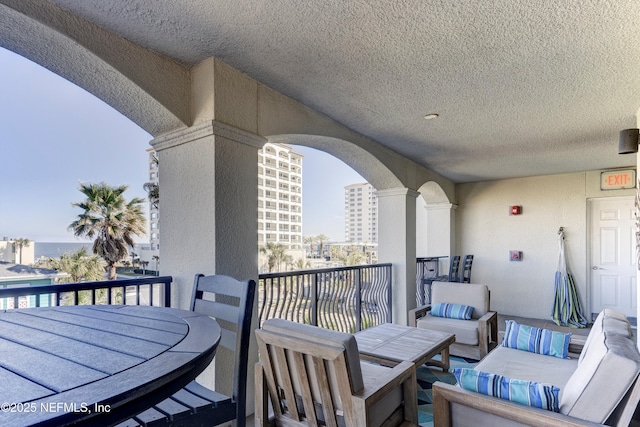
397,245
208,214
441,236
208,204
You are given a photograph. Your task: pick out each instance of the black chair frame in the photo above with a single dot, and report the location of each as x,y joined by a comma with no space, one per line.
196,405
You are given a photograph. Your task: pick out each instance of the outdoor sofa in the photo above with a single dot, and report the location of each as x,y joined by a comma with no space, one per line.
598,386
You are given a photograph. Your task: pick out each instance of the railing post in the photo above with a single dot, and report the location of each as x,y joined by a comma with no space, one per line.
389,294
314,299
358,300
167,294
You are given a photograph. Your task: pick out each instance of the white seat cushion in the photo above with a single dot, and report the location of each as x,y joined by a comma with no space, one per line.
524,365
466,331
474,295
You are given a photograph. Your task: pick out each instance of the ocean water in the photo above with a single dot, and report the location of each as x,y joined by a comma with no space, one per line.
55,249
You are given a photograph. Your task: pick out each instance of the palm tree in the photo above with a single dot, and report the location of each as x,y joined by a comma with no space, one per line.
301,264
309,240
156,258
20,243
275,254
109,219
152,188
79,265
321,238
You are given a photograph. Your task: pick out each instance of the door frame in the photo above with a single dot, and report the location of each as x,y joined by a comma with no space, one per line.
588,297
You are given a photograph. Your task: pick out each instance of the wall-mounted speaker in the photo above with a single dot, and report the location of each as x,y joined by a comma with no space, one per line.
628,141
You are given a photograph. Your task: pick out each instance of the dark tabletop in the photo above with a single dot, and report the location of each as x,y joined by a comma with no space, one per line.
97,364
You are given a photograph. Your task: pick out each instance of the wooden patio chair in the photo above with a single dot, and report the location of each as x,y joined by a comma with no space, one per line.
230,302
314,376
465,275
454,265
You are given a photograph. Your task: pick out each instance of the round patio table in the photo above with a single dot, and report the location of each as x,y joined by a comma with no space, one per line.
89,365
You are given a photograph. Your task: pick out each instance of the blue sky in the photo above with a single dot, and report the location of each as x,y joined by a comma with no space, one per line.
54,135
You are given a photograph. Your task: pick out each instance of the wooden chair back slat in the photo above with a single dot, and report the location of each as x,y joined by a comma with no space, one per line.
286,381
305,388
328,407
221,310
218,284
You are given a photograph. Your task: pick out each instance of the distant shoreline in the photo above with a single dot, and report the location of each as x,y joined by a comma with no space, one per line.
56,249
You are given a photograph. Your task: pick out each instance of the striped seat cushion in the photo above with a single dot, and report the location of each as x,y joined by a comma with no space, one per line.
452,311
536,340
529,393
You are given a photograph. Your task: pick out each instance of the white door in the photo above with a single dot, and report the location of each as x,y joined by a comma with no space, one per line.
613,263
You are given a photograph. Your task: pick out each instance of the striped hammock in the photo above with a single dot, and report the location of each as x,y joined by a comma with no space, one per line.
567,310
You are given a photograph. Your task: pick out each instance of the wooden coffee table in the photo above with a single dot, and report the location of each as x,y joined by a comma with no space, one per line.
390,344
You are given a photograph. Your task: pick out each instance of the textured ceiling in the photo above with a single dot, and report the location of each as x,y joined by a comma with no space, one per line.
522,87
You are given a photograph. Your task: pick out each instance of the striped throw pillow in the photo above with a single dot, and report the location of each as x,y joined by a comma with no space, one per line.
452,311
536,340
529,393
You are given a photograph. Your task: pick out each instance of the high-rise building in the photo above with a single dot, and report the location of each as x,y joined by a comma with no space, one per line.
280,196
360,213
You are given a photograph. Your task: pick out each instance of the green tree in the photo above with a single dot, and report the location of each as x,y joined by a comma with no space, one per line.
301,264
350,255
309,240
110,221
275,253
321,238
19,244
80,266
152,188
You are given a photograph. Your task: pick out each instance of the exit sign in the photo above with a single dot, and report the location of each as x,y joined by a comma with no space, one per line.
616,180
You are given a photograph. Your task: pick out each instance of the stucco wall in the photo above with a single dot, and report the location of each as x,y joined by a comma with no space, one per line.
485,228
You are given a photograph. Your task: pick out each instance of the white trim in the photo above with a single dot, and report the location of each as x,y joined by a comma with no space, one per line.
397,192
440,206
203,130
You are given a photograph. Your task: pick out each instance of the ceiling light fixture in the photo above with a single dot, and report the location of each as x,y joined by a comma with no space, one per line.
431,116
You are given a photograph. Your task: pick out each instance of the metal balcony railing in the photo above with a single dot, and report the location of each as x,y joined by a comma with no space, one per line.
426,268
139,291
346,299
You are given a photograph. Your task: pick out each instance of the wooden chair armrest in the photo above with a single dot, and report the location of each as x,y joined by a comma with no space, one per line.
417,313
487,332
374,390
403,374
445,394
